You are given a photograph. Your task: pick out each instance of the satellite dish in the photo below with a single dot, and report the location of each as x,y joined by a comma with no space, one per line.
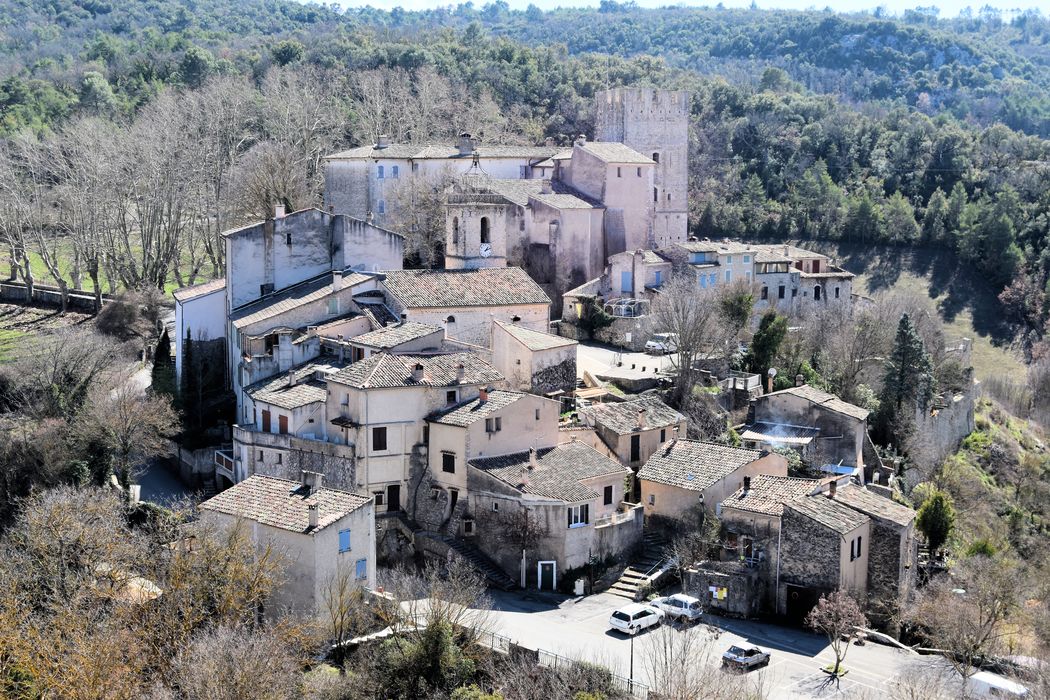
772,371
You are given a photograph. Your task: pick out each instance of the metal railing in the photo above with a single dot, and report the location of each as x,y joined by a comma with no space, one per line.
629,513
557,662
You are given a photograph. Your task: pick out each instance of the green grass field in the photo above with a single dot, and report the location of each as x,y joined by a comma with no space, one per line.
20,323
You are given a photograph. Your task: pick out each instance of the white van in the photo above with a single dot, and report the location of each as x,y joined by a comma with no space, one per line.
984,684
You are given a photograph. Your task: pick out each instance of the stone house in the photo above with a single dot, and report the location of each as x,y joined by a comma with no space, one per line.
823,547
406,336
634,429
545,516
685,474
533,361
466,303
324,534
823,428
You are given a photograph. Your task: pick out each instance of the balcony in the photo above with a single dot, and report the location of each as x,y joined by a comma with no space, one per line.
224,464
625,512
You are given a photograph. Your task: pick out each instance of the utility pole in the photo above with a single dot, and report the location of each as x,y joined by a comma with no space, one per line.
630,677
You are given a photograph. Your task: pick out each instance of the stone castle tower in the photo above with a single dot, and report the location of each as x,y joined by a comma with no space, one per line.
656,124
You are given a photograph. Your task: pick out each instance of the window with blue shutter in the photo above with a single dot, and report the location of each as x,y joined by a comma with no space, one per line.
344,540
379,172
361,570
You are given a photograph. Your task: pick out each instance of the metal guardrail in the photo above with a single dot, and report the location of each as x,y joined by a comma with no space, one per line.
636,689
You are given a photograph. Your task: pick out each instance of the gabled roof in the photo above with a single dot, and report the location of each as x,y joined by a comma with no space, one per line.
616,152
873,505
391,336
781,433
828,512
443,151
384,370
558,474
199,290
471,412
535,340
277,391
693,465
494,286
283,503
622,417
293,297
768,494
824,399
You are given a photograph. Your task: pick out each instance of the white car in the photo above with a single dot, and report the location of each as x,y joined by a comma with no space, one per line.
662,343
681,607
744,657
630,619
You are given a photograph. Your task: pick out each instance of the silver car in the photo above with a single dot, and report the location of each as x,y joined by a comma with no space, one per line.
744,658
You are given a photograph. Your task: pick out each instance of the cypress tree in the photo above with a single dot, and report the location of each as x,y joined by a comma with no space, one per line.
908,381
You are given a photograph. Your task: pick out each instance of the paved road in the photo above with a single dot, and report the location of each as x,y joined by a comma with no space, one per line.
594,357
578,628
160,485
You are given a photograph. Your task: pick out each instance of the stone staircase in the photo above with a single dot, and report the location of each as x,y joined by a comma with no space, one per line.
639,573
478,559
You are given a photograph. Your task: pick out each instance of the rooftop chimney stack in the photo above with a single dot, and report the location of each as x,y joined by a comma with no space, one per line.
311,481
278,211
799,380
404,318
384,141
337,280
833,488
770,376
417,372
545,186
466,144
641,419
483,395
532,459
747,484
461,373
315,517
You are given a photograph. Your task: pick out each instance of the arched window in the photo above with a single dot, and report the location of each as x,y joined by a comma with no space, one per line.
455,230
656,157
450,319
816,293
484,229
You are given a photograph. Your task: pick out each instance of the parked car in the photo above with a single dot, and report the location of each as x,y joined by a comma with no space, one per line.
662,343
745,658
630,619
681,607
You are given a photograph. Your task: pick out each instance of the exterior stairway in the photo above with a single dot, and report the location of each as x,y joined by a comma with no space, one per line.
478,559
640,572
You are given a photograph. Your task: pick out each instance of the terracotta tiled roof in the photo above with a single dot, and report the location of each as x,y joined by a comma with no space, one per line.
293,297
495,286
823,398
873,505
615,152
535,340
284,504
622,417
473,411
694,465
276,391
768,494
559,471
828,513
442,151
392,336
199,290
384,370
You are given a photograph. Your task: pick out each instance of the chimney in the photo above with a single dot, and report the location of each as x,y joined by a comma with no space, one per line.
770,376
581,140
278,211
312,509
747,484
383,141
417,372
799,380
532,459
833,488
549,142
404,318
311,481
291,379
483,395
461,373
545,187
465,144
337,280
641,419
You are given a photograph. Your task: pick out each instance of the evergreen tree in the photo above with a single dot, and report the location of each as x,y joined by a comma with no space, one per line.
163,369
936,520
764,346
934,220
908,382
899,221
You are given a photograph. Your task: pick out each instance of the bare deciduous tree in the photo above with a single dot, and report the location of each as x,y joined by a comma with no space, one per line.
838,616
683,664
694,315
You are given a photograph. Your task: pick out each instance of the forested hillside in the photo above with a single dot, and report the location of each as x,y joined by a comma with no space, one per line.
806,125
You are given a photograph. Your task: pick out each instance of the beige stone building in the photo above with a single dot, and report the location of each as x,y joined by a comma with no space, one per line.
634,429
323,535
684,475
540,363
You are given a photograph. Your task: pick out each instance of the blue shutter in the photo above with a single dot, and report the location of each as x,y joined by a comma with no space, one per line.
344,540
657,274
361,570
626,282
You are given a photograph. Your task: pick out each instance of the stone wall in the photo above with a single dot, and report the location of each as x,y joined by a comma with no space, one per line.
891,567
639,329
809,554
744,588
46,295
940,430
559,376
